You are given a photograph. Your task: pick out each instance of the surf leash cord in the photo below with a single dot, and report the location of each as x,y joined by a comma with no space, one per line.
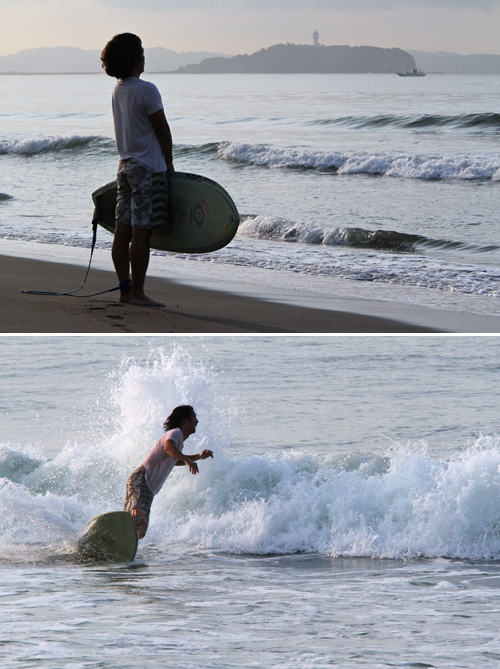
71,293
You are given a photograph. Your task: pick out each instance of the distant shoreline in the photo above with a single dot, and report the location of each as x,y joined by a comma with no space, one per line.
278,59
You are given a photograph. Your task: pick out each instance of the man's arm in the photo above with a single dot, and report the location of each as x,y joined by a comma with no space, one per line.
197,456
173,451
162,131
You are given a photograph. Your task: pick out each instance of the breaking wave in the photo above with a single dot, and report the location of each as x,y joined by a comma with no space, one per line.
402,504
402,264
405,165
280,229
391,164
29,145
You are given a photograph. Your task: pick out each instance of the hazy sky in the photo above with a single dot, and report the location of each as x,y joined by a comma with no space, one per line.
244,26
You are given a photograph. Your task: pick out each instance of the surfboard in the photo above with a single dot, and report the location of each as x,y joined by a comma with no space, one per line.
109,537
202,215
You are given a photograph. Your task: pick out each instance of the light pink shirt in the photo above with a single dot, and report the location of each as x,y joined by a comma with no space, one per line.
159,463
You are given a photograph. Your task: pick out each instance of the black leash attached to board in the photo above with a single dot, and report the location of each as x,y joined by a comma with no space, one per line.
71,293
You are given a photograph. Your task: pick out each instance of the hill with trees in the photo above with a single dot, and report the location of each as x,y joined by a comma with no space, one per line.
296,58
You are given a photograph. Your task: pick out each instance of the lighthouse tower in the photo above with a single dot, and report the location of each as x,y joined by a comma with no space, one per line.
316,38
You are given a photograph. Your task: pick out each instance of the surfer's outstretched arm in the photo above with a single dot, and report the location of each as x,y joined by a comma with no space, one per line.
174,452
197,456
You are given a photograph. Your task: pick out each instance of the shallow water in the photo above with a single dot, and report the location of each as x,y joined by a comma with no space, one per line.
221,611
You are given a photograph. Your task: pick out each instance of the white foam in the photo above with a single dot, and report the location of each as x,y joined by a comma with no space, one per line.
33,144
405,165
280,229
419,506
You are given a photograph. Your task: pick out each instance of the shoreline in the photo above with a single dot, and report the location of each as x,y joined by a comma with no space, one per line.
189,309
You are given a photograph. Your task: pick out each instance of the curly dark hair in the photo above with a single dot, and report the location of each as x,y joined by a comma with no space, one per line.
178,416
121,55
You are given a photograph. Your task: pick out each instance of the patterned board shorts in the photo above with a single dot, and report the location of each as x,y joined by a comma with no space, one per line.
138,495
142,199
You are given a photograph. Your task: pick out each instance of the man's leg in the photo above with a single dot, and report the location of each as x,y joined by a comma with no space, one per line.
138,495
141,520
139,261
120,256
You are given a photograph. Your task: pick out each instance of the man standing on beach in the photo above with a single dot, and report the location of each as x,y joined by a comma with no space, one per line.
148,479
144,142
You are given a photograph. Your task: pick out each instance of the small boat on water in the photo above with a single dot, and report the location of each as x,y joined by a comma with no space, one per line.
411,73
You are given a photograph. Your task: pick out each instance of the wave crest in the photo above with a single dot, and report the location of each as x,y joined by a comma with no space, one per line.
477,122
280,229
28,145
404,165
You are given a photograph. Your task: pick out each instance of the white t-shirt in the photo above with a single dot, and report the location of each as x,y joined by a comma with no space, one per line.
159,463
133,102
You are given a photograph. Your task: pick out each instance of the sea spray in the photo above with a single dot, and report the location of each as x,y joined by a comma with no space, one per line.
144,393
45,499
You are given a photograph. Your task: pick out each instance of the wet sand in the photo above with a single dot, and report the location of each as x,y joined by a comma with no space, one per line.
189,309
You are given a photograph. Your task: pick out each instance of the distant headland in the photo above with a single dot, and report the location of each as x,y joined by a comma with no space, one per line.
305,58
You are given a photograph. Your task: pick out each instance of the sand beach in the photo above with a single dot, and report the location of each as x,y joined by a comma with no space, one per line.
204,302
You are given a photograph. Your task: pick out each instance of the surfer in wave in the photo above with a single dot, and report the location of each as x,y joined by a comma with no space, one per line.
147,480
144,143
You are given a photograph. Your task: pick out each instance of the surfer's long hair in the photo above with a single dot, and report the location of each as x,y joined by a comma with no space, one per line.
178,416
121,55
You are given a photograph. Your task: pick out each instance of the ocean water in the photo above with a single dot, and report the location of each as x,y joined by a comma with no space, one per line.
356,178
350,516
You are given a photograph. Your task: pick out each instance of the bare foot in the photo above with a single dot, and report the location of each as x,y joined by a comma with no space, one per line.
145,301
125,297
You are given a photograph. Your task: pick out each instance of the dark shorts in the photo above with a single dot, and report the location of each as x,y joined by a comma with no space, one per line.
138,495
142,199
